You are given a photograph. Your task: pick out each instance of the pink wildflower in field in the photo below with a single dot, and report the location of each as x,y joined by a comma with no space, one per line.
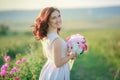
23,60
14,69
3,73
4,67
11,73
7,58
17,78
18,62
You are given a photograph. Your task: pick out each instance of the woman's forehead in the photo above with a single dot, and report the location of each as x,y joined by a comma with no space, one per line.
55,13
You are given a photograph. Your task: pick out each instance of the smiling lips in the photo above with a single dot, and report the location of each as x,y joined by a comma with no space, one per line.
57,23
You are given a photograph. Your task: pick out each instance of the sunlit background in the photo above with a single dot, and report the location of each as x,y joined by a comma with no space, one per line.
97,20
37,4
20,14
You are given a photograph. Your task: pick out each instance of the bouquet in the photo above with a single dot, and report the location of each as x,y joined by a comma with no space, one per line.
76,44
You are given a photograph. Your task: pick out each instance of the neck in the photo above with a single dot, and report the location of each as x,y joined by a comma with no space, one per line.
52,30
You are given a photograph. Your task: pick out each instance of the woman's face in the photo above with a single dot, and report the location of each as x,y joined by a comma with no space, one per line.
55,20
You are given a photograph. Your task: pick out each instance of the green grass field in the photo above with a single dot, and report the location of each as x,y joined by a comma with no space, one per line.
100,62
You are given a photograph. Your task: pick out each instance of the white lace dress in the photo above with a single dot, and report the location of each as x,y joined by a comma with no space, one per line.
49,71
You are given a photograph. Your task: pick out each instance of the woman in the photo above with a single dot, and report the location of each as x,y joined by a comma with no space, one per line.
47,28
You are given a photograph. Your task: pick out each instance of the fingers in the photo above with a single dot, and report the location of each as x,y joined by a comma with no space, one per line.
73,56
68,54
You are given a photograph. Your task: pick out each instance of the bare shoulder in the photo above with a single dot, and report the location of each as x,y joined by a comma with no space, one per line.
57,46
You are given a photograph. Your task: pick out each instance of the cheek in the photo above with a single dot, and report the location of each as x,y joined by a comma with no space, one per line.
60,21
55,23
52,22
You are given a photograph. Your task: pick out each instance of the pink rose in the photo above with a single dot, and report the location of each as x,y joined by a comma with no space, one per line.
7,58
18,62
23,60
83,40
68,38
85,47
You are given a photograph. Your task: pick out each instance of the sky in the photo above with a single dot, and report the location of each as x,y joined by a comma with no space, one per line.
38,4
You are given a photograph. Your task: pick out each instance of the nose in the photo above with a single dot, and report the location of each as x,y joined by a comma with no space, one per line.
59,19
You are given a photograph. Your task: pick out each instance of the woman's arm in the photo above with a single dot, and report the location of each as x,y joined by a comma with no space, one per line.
57,53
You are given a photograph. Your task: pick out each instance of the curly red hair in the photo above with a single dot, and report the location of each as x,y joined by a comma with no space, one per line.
41,23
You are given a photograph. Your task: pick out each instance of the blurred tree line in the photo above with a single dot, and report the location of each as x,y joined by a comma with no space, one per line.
4,29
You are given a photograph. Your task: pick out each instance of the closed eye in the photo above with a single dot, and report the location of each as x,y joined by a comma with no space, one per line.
59,15
54,17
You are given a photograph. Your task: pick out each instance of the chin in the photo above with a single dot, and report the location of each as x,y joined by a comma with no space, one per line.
57,26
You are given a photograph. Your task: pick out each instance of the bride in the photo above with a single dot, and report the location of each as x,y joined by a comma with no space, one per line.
46,29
